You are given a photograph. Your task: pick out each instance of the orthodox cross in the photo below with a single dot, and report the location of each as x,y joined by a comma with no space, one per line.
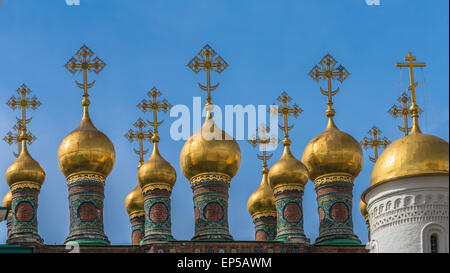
375,142
403,111
11,138
23,102
286,111
415,111
263,140
83,61
205,61
328,71
155,106
140,135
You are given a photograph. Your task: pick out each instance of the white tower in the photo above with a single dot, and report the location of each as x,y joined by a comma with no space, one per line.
408,198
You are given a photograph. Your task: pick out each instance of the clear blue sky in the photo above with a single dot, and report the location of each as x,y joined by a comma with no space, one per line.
270,47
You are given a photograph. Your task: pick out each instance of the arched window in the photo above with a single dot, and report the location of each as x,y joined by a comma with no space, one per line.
434,238
434,243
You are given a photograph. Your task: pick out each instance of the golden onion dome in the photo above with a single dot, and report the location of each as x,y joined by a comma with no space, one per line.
157,171
288,171
210,152
262,199
86,149
25,169
363,209
7,200
413,155
134,203
333,151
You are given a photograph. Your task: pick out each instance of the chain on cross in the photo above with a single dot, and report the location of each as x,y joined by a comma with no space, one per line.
263,140
207,61
403,111
285,110
140,135
375,142
410,63
83,61
328,71
154,106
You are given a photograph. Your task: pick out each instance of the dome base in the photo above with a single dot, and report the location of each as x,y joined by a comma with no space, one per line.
23,226
211,208
86,212
290,216
334,198
158,224
265,228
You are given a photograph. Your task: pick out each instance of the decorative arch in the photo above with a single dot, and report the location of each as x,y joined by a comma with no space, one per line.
433,233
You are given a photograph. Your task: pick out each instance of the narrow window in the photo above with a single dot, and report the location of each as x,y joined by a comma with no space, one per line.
434,243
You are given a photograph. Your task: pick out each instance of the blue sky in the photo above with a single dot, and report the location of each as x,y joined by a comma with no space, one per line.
270,47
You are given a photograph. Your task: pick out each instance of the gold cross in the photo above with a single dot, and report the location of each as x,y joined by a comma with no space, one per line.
11,138
82,61
140,135
263,140
155,106
374,142
329,72
404,111
23,102
205,61
411,64
286,111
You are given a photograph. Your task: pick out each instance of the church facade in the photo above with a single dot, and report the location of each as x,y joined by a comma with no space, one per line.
406,205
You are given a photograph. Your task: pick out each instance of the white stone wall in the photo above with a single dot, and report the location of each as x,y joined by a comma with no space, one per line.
404,213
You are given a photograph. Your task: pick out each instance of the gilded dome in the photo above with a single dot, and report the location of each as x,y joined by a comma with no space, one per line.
204,153
288,171
157,171
86,149
7,200
262,199
25,169
134,202
363,209
333,151
412,155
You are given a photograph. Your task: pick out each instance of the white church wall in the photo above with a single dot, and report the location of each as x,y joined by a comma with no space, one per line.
405,213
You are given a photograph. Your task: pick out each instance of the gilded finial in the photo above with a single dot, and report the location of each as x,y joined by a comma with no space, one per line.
328,71
403,111
207,61
415,111
11,138
374,142
155,106
285,110
84,61
140,135
23,102
263,140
